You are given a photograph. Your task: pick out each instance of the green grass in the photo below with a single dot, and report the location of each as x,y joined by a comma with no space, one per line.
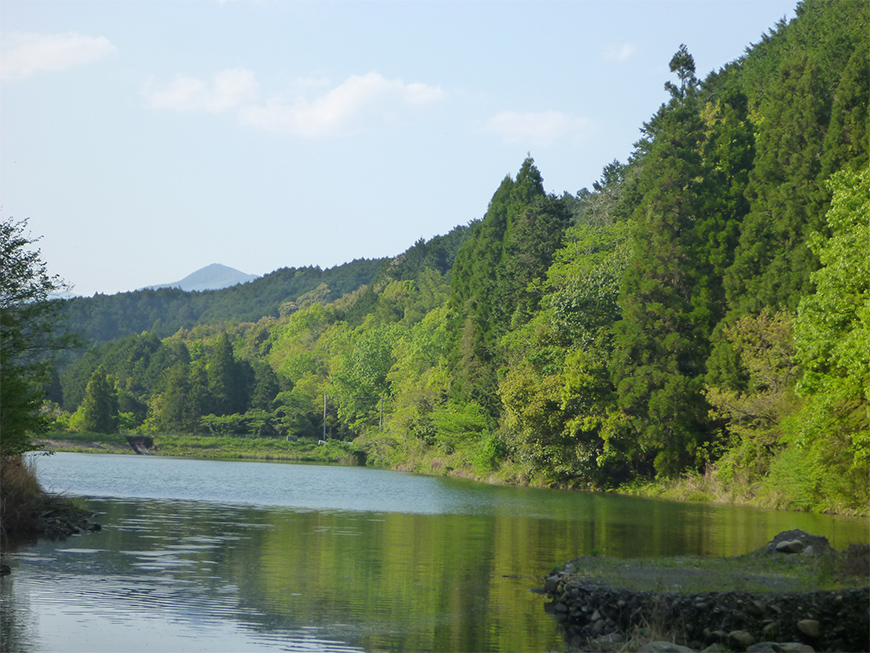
752,573
87,442
208,446
228,448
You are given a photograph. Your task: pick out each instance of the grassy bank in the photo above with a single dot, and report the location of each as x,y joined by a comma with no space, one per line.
230,448
709,487
212,447
758,573
85,442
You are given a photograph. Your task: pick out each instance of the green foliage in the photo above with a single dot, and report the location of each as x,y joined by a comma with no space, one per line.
361,382
832,331
436,255
253,423
227,382
99,410
753,415
492,285
457,426
660,339
103,318
29,335
639,330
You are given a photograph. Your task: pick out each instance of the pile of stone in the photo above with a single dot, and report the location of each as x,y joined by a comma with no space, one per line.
593,616
796,542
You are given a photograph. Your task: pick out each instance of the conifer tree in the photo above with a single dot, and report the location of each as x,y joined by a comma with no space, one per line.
480,296
659,354
225,379
772,263
100,406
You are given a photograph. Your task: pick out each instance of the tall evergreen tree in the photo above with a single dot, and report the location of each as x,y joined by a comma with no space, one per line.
773,264
100,406
659,350
226,380
481,292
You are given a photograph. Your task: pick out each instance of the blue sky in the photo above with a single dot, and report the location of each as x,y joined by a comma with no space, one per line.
147,139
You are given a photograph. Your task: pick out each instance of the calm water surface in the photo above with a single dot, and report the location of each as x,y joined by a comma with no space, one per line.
235,556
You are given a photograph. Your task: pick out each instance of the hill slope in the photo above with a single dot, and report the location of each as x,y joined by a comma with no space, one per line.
211,277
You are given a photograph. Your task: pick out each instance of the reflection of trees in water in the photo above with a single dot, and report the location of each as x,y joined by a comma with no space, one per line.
336,578
16,618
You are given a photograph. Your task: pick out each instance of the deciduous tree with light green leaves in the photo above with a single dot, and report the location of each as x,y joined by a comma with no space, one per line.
832,336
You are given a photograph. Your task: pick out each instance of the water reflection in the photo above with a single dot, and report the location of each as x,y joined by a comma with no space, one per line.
224,556
240,578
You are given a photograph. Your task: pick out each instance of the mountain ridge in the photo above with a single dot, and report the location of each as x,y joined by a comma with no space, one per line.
215,276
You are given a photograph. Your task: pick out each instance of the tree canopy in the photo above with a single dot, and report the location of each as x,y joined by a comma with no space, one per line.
29,335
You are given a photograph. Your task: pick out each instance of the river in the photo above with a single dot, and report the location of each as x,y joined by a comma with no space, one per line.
199,555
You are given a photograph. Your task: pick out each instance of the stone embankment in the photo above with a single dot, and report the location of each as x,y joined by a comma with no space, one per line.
596,615
61,523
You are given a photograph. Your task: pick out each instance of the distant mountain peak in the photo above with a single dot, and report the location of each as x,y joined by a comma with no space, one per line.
211,277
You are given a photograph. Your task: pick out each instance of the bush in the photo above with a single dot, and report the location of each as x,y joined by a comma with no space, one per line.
21,497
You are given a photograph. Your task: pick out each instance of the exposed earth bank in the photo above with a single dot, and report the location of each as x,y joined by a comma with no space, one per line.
794,594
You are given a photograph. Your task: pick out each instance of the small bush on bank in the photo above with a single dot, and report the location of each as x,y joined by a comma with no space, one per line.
20,495
26,510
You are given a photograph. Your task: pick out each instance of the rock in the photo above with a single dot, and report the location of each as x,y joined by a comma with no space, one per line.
715,648
663,647
769,630
808,552
755,608
740,639
780,647
607,640
809,627
5,570
715,636
819,543
789,546
551,584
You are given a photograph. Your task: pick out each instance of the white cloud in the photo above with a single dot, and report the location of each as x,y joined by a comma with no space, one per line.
619,52
537,128
362,100
228,89
23,54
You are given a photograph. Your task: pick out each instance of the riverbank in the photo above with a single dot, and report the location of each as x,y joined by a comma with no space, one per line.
28,512
700,488
796,590
210,447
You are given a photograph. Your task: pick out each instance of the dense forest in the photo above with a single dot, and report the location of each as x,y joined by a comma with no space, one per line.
702,313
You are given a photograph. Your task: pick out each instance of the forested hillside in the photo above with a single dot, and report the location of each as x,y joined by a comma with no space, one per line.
703,312
163,311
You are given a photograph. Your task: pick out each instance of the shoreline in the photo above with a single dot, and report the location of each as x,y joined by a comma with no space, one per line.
795,592
337,452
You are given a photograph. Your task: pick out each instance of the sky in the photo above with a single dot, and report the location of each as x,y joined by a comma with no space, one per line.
144,140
